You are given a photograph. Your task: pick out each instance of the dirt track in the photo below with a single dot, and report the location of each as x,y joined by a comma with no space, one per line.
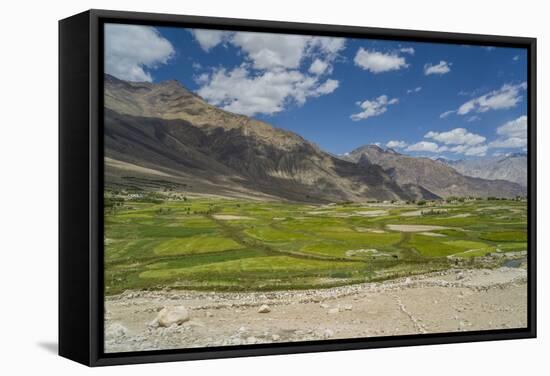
456,300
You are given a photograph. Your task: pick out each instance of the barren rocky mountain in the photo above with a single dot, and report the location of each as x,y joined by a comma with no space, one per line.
510,167
433,176
162,132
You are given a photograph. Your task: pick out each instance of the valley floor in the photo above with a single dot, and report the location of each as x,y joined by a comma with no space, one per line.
449,301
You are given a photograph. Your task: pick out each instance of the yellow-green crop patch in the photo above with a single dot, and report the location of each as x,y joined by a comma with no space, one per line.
505,236
466,244
270,264
195,244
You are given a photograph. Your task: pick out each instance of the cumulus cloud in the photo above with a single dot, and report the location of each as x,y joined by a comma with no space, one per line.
442,68
131,51
507,96
373,107
318,67
396,144
457,136
209,39
476,150
514,128
271,76
378,62
244,92
268,51
512,134
426,146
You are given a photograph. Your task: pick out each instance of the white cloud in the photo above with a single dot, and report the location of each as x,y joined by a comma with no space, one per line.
318,67
469,150
327,87
513,134
442,68
427,146
270,77
396,144
131,51
415,90
329,46
209,39
446,113
244,92
473,118
514,128
457,136
508,143
407,50
378,62
515,58
268,51
201,78
373,107
507,96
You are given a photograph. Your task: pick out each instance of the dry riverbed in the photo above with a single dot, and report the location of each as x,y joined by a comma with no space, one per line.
454,300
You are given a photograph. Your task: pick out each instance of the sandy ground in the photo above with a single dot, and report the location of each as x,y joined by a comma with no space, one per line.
455,300
415,228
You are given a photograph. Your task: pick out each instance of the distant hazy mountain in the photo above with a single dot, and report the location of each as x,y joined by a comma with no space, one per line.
434,176
512,167
164,135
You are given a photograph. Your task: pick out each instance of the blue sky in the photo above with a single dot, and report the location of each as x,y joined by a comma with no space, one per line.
423,99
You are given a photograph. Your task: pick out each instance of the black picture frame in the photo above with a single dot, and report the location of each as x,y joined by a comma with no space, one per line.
81,187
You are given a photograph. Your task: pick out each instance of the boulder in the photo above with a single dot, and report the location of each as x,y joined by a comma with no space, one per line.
264,309
172,315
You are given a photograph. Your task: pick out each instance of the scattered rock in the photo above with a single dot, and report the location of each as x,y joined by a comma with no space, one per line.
328,333
323,305
348,307
209,314
333,311
116,330
172,315
264,309
275,337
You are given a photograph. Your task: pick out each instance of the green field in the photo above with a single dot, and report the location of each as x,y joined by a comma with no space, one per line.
225,244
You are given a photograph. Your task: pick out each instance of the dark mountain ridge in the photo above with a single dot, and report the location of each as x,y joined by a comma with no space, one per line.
164,131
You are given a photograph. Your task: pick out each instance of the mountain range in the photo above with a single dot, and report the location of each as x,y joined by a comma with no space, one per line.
512,167
163,135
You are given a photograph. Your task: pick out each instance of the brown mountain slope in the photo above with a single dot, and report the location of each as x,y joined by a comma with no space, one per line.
434,176
167,129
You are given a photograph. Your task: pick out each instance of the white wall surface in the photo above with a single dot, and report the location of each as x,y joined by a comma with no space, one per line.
28,186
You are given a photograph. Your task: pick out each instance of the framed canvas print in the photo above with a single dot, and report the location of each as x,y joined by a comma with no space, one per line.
240,187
